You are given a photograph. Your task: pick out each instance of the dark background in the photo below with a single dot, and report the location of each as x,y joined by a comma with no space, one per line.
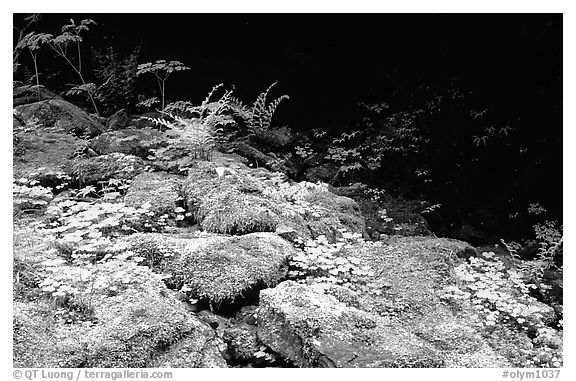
509,64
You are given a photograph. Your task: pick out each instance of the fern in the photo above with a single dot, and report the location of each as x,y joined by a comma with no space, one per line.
200,125
199,137
259,116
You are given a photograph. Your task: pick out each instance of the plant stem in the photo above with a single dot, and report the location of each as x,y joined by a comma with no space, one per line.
79,57
61,53
163,90
34,58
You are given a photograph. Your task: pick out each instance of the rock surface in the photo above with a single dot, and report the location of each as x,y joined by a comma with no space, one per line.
91,170
216,268
61,116
160,189
129,141
239,201
44,155
313,329
123,316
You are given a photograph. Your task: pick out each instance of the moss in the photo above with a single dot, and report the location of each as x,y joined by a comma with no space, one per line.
160,189
242,341
100,168
219,269
130,141
305,325
231,212
241,201
61,116
130,327
45,154
31,333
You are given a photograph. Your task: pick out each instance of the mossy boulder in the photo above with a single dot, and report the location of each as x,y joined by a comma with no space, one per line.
26,94
228,201
128,319
420,283
44,156
313,329
217,269
195,351
60,116
240,201
91,170
118,120
242,341
161,190
129,141
386,215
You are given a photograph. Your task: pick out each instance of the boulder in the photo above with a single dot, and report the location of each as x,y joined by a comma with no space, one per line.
22,95
129,141
45,156
57,115
426,284
386,215
117,121
217,269
130,320
313,329
160,189
91,170
240,201
196,351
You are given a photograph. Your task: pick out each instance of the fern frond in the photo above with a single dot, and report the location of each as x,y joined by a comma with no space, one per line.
207,100
272,107
260,103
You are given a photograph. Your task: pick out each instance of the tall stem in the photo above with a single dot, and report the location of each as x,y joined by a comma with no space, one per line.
34,58
63,55
79,57
161,86
163,90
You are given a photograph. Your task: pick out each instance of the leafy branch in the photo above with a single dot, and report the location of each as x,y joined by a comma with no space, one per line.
30,20
71,34
32,42
161,70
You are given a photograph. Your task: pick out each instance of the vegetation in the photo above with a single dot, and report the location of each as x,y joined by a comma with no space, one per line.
117,73
161,69
129,241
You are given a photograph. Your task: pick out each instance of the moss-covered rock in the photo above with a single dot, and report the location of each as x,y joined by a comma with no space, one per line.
61,116
411,280
26,94
100,168
311,328
240,200
386,215
44,156
194,352
118,120
161,190
132,321
242,342
216,268
130,141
